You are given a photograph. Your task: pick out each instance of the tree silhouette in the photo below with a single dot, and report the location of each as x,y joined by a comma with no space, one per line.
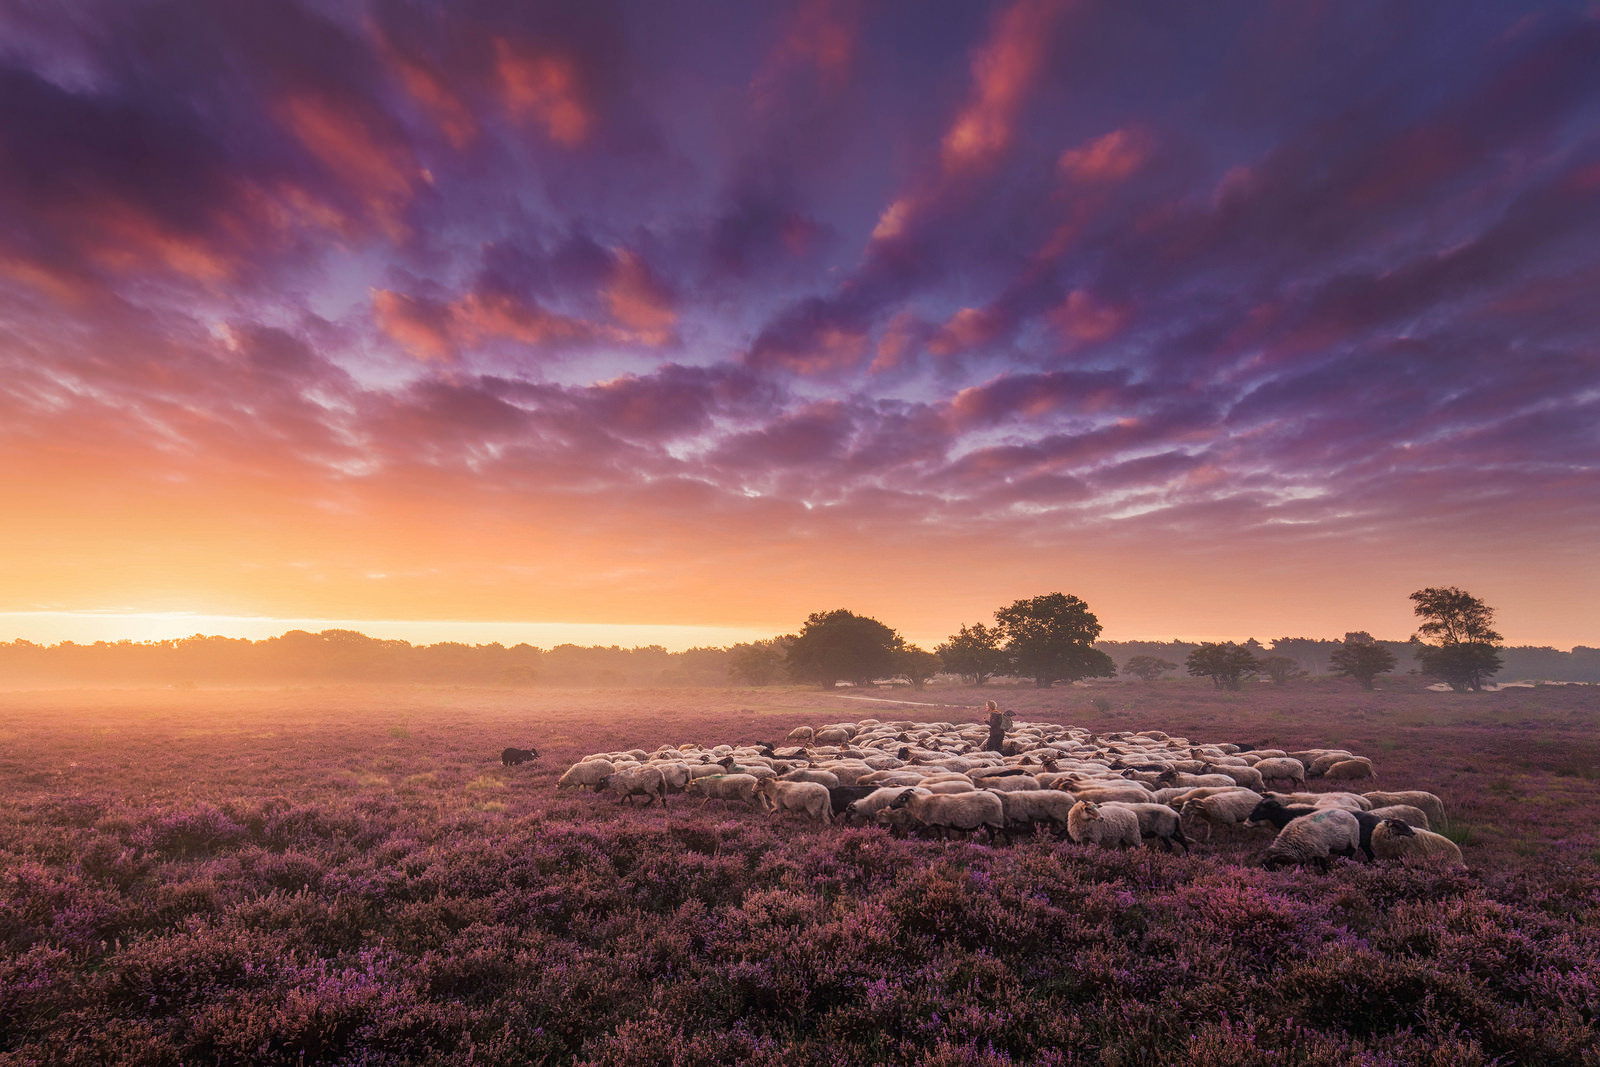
917,664
1465,651
1226,664
1051,639
1147,668
1361,658
840,644
974,653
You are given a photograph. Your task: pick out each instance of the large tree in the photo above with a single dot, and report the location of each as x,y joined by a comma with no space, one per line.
841,645
1361,658
1226,664
974,653
1051,638
1455,644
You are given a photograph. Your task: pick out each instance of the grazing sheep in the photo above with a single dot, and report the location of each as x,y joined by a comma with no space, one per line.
1412,816
1127,793
1227,808
1282,768
1347,801
807,798
1195,781
1157,821
516,757
807,774
945,812
1394,840
840,797
1318,765
589,774
1242,775
1350,770
1023,783
675,774
1314,838
1090,823
1280,815
1027,810
1419,798
740,787
630,782
860,812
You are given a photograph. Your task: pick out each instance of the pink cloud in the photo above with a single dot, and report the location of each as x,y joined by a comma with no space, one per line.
1111,158
1003,72
1084,319
543,87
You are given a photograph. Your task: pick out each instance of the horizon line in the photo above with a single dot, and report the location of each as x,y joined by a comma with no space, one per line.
89,626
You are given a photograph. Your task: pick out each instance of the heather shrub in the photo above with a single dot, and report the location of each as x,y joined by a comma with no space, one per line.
225,897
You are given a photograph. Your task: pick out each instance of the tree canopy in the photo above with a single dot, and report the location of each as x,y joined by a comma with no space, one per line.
1226,664
1051,638
974,653
1455,644
841,645
1148,668
1361,658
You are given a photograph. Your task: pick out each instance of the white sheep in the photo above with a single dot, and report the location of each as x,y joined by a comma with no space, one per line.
630,782
807,798
826,779
1029,809
1242,774
1157,821
1393,839
1420,798
1230,807
1090,823
589,774
740,787
1314,838
1282,768
1409,814
946,812
865,810
1350,770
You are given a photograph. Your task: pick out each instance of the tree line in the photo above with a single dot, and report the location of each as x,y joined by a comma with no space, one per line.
1046,639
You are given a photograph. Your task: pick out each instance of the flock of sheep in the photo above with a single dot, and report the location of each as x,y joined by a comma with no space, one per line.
1113,789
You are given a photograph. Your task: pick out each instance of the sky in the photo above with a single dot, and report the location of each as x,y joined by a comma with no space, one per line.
1233,320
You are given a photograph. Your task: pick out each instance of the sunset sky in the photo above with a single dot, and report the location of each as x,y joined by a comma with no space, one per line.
1233,320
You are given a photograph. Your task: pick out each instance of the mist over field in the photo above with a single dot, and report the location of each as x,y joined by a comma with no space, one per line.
349,874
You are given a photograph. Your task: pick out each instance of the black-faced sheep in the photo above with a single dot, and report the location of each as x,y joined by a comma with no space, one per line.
1394,840
516,757
807,798
1091,823
1314,838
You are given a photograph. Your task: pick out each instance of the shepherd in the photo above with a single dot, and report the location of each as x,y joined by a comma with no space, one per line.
999,723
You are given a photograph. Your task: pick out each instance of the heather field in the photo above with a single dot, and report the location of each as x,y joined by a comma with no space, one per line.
349,875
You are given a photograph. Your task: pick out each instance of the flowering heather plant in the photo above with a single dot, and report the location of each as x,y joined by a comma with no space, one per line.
272,877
